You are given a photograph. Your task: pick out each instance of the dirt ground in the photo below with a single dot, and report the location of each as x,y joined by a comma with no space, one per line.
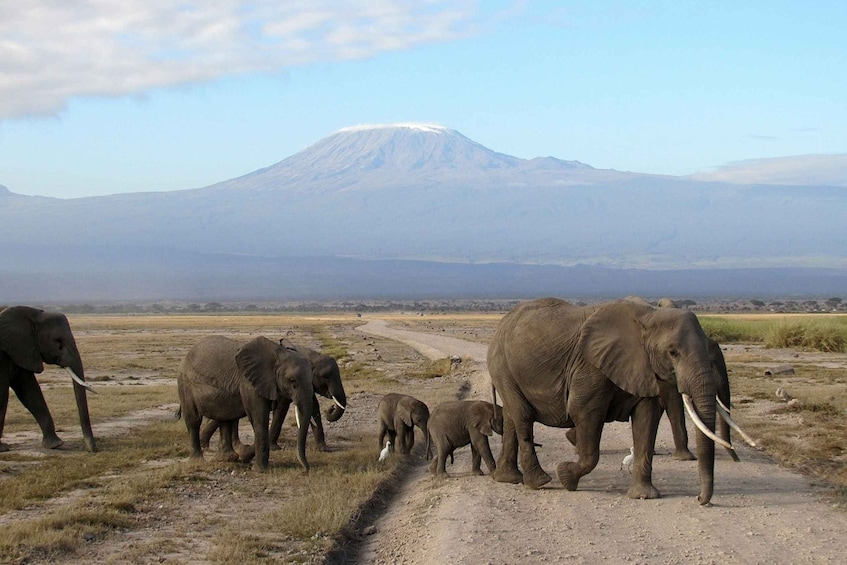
760,512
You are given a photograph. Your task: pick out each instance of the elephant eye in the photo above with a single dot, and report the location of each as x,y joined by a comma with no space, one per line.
674,352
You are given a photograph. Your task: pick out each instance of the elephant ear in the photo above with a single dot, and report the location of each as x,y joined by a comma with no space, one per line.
405,413
481,421
18,337
611,339
257,360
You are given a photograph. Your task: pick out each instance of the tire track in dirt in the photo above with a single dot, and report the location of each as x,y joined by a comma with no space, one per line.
761,513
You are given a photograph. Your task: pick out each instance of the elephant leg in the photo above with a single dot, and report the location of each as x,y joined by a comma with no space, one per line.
207,431
410,439
676,416
484,451
192,423
227,453
533,475
588,450
4,402
441,460
280,412
507,464
571,435
29,393
317,426
259,417
645,424
476,461
245,452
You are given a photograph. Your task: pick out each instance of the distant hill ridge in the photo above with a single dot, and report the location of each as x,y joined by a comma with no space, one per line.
428,193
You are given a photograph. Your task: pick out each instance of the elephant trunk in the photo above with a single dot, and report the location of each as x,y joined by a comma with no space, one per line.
339,403
304,410
75,366
704,410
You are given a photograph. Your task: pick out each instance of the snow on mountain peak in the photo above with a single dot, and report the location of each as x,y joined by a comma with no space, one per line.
427,128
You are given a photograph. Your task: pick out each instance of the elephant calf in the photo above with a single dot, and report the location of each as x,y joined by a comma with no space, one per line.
459,423
398,414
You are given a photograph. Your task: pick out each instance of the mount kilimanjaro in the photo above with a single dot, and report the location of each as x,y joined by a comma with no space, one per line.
429,211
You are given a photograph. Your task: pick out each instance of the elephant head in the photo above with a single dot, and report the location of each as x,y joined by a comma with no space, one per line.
488,419
635,344
281,374
326,380
31,337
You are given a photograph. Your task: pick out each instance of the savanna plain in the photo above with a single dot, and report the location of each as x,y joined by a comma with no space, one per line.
141,500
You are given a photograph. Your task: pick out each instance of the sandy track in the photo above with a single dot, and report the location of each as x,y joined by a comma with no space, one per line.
761,513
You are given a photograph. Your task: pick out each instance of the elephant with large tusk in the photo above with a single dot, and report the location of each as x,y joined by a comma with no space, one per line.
579,367
30,337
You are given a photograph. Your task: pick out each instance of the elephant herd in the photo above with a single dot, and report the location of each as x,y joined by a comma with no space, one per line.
550,362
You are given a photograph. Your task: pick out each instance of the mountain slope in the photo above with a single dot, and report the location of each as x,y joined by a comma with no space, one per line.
429,193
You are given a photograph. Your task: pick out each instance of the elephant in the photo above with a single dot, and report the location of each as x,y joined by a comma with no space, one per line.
398,414
326,381
458,423
671,399
30,337
578,367
223,379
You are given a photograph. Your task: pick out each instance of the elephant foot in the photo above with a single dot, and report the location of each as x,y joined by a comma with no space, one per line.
477,472
322,447
3,447
567,476
571,435
229,456
51,442
536,478
684,455
643,491
505,475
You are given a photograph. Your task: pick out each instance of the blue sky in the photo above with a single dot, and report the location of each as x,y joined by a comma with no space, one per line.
140,95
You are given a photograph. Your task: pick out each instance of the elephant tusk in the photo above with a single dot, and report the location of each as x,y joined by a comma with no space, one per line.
689,407
314,422
79,381
725,415
338,403
722,405
297,416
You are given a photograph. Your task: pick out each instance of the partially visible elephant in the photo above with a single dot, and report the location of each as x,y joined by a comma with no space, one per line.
223,380
326,381
458,423
397,415
29,338
569,366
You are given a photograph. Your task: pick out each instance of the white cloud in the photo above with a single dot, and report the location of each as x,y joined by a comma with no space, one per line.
54,50
825,170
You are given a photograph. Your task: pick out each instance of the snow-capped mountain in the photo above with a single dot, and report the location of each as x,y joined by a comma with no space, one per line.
428,193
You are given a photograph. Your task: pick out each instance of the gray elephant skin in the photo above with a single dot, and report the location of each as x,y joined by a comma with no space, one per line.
397,416
224,380
30,337
326,381
458,423
568,366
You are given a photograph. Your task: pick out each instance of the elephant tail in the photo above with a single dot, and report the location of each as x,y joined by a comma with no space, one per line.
428,444
493,394
178,414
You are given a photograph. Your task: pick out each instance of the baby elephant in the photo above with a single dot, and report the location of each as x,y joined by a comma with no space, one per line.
398,414
459,423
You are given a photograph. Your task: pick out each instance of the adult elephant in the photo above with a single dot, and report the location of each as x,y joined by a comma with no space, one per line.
673,405
30,337
326,381
569,366
223,379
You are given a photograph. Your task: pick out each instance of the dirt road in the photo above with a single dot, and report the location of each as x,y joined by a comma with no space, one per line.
760,513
